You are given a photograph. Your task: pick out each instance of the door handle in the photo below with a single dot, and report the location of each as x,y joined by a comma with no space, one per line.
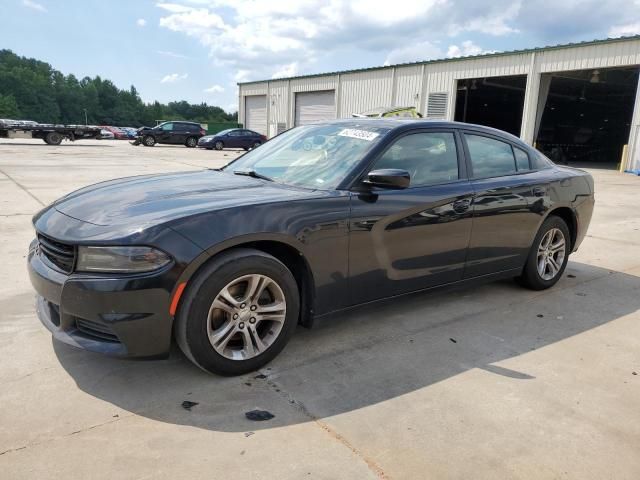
461,206
539,191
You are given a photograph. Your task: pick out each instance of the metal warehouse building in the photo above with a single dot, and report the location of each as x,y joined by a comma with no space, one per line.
576,102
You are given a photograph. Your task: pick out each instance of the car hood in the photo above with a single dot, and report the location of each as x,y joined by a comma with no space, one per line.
153,199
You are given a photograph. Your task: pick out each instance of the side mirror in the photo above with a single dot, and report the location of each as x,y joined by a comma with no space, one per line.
393,178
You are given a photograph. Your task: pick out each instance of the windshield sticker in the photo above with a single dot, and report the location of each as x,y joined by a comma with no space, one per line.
361,134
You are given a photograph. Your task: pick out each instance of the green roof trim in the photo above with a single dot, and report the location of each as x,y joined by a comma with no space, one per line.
456,59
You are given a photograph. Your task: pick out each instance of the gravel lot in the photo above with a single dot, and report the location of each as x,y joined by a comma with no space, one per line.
492,382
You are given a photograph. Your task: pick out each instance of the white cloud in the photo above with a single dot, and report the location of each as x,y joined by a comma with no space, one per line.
34,5
258,39
173,77
214,89
625,30
467,48
289,70
171,54
414,52
141,22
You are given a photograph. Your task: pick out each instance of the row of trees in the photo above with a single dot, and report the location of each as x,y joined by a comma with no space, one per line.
33,90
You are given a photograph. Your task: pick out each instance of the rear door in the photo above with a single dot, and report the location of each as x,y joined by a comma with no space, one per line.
507,206
411,239
234,139
180,133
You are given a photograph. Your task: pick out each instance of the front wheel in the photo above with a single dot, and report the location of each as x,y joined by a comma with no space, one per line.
219,145
548,256
149,141
238,313
191,142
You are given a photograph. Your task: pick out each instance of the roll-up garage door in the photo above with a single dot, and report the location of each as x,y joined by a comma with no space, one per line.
255,108
312,107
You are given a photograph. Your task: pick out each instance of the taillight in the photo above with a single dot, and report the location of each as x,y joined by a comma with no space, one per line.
203,132
263,137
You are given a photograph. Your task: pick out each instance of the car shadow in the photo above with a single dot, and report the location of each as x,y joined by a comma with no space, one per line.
367,355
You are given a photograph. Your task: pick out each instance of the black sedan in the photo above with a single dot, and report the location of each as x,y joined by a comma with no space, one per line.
232,138
319,219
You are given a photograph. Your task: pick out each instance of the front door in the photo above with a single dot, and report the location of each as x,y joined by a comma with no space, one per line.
166,131
411,239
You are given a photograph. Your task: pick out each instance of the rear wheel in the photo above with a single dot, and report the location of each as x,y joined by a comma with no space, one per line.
219,145
149,141
191,142
256,144
238,312
53,138
548,256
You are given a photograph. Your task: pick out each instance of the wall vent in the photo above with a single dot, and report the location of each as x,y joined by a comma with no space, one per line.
437,105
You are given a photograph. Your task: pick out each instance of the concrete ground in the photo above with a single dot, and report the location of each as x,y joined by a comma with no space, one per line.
491,382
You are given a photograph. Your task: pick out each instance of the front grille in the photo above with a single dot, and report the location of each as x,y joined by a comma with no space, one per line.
96,330
62,255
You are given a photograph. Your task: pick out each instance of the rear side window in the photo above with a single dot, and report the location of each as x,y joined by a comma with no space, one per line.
490,157
522,159
430,158
539,161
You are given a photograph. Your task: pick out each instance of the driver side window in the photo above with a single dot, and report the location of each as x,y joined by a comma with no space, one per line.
430,158
167,127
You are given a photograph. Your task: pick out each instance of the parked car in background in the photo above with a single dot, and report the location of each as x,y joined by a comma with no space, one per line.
171,133
117,133
131,132
106,135
232,138
321,218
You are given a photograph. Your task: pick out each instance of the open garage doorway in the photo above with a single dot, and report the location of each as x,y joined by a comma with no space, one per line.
585,115
493,101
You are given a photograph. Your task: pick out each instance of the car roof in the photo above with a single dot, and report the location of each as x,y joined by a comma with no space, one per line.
403,124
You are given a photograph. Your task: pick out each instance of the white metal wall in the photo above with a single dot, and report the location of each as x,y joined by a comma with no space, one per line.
411,84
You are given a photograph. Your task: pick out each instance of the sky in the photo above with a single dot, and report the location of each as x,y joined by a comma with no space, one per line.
197,50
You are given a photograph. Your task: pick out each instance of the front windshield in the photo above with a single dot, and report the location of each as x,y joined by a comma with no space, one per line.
312,156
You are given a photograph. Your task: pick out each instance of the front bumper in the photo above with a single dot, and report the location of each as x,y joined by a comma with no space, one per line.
119,316
205,143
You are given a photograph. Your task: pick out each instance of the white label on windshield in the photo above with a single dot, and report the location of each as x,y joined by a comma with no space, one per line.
361,134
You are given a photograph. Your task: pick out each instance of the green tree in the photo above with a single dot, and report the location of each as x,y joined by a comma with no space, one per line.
33,90
8,107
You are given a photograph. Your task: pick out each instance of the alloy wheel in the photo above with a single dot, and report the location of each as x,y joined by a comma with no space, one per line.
551,253
246,317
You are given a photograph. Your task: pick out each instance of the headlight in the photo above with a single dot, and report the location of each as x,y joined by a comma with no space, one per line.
120,259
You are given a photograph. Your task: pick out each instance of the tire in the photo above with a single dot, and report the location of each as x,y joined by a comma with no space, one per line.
209,148
553,230
246,149
53,138
198,317
191,142
219,145
256,144
148,141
